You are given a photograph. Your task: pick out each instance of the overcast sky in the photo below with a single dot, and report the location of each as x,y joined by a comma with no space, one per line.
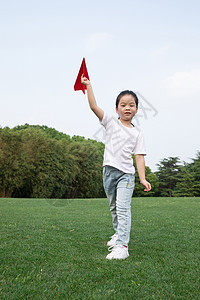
151,47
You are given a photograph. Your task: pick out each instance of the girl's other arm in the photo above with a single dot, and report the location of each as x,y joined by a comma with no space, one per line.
91,99
140,163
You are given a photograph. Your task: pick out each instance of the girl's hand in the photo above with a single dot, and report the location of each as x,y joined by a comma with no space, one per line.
85,81
147,185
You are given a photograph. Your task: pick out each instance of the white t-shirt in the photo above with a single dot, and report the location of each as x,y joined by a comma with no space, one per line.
121,143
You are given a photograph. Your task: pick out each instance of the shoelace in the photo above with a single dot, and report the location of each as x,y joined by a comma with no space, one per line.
111,248
114,247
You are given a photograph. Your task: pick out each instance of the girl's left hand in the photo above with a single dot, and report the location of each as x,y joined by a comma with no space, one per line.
147,185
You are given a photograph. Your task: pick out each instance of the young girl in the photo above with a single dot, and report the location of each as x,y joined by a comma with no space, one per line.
122,141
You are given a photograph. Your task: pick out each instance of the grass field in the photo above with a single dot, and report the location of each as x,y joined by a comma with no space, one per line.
56,249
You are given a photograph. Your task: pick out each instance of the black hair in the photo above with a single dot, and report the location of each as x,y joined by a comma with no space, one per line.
127,92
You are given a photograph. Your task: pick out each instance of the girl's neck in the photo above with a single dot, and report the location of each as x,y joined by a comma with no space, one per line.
126,123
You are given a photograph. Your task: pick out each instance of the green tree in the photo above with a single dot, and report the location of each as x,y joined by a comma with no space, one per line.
168,175
11,176
32,164
50,132
89,159
185,186
194,169
48,165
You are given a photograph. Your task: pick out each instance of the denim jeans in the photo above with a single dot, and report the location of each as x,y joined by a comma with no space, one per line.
119,188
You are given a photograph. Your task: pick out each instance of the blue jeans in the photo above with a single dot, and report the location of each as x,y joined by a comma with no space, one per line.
119,188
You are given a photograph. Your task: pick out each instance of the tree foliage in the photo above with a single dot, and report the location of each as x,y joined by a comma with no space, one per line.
179,180
40,162
168,174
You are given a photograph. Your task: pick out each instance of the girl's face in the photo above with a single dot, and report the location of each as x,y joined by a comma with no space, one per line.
127,108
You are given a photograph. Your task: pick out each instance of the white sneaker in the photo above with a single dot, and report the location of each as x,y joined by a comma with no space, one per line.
113,240
118,252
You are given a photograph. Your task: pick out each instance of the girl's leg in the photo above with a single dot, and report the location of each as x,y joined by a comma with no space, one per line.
109,183
125,187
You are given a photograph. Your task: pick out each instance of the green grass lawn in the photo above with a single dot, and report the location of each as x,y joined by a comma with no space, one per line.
56,249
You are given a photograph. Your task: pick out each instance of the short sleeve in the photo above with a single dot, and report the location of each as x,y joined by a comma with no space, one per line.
140,146
104,122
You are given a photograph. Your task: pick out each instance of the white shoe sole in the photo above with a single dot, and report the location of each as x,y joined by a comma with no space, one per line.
112,257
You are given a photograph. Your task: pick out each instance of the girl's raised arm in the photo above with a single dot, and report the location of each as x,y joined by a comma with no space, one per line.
91,99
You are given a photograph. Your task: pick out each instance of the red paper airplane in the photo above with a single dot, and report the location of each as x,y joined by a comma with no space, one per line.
83,70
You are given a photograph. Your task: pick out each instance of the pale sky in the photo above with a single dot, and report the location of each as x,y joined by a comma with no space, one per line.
151,47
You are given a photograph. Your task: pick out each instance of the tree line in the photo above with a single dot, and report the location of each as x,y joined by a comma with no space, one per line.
41,162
